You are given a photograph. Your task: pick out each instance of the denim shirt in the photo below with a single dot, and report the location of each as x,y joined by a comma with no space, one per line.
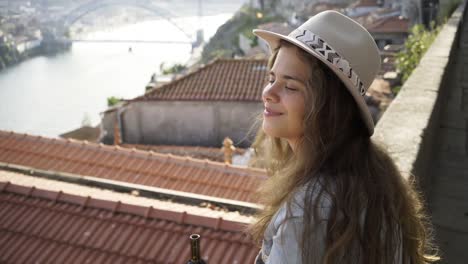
282,238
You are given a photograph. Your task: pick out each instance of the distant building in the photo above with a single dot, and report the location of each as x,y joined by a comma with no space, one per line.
392,30
88,133
388,67
221,99
316,7
287,7
20,43
361,8
429,11
386,25
24,43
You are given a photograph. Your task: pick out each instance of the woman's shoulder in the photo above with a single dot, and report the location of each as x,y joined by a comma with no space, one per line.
311,194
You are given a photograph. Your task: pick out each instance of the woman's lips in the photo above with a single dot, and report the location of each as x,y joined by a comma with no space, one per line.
268,112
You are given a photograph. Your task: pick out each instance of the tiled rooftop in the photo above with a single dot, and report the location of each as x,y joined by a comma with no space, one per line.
393,24
384,20
313,8
198,152
205,208
42,226
363,3
84,133
133,166
221,80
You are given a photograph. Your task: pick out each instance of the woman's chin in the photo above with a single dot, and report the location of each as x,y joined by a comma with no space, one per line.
270,130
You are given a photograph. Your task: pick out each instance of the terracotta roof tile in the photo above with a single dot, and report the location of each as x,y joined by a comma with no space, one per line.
394,24
42,225
313,8
131,166
385,20
84,133
363,3
223,79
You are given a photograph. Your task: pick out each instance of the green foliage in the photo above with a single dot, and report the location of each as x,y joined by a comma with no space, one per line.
221,53
111,101
9,55
67,33
252,20
8,58
396,89
416,45
4,51
176,68
148,88
225,42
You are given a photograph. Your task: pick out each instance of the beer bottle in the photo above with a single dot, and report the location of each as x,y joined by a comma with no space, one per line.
195,246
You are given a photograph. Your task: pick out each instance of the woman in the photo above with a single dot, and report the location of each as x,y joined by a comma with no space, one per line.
334,196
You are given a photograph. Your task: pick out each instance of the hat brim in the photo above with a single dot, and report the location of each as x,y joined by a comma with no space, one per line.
273,39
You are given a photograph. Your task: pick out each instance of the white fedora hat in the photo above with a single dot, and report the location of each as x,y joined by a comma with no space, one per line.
343,45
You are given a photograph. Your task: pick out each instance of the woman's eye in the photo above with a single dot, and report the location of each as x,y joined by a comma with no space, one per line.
291,89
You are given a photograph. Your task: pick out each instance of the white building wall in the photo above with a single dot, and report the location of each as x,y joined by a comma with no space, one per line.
193,123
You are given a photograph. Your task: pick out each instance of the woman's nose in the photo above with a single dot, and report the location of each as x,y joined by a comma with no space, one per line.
270,93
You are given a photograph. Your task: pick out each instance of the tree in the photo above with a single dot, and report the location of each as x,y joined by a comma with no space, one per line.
111,101
416,45
176,68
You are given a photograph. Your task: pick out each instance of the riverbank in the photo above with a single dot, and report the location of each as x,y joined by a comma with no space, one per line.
48,95
9,56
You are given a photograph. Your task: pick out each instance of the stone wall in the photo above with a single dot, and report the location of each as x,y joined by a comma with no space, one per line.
408,127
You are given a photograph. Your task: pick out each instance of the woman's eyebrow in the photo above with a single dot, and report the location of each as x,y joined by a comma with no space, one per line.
290,77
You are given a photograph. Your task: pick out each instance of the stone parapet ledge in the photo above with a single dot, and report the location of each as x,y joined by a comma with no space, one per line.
408,127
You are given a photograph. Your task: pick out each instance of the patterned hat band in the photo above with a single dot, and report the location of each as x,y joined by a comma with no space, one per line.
324,50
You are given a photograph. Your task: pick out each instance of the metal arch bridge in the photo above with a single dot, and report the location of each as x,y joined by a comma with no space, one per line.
91,6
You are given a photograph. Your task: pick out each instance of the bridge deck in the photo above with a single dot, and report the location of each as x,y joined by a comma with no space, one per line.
449,196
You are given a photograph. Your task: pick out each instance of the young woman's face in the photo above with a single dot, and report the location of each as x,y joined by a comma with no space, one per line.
284,95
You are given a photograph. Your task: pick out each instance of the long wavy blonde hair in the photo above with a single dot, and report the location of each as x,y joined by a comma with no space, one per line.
359,176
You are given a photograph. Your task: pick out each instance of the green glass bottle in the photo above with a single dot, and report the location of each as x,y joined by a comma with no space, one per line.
195,246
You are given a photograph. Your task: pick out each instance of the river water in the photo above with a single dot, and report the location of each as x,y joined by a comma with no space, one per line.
51,95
